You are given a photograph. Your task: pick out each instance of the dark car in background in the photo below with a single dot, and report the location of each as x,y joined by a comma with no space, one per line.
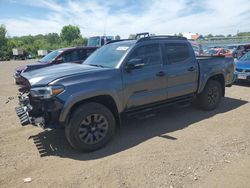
241,50
64,55
242,71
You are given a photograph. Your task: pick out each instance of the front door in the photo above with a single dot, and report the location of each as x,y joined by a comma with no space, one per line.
146,83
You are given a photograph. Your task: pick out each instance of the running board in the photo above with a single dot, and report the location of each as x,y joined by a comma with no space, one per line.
179,101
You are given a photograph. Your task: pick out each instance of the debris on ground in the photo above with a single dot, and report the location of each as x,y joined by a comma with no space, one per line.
27,180
171,174
9,99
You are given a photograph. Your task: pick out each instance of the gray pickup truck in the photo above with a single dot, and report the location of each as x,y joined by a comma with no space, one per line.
122,77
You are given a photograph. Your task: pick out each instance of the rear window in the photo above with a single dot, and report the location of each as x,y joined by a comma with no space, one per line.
177,52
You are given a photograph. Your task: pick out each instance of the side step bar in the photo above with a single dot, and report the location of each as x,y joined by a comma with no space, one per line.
180,101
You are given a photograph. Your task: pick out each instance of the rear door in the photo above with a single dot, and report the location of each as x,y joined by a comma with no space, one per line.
147,84
181,68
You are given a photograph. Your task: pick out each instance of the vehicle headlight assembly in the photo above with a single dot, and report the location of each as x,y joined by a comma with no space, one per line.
46,92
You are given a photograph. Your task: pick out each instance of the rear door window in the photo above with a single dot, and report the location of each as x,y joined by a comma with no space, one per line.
177,52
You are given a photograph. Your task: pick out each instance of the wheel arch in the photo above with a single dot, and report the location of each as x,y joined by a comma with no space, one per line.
217,77
221,79
106,100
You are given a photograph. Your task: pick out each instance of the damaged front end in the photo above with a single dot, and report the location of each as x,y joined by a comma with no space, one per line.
24,110
39,106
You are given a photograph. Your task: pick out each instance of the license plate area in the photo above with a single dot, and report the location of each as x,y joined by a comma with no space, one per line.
242,76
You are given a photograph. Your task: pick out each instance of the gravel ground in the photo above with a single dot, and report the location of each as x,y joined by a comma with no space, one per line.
177,147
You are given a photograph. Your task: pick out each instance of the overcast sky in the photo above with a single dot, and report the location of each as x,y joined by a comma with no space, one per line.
96,17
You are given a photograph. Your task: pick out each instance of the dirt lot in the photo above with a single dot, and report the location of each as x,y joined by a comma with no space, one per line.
178,147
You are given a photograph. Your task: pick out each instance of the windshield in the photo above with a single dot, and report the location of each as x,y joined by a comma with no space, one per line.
94,41
50,57
108,55
246,57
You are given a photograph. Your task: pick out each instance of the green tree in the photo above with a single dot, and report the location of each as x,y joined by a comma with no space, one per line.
11,43
70,36
79,41
209,36
219,36
69,33
53,38
3,42
180,35
27,39
242,34
117,37
3,32
132,36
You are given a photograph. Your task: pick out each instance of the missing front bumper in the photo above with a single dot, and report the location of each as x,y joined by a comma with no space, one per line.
42,113
23,116
23,112
25,119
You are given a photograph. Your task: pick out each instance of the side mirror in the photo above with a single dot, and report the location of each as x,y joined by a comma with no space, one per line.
134,64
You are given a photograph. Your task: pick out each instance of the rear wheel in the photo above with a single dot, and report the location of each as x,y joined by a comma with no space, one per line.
91,126
210,97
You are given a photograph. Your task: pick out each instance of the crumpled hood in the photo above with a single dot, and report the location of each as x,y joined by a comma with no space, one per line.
32,66
48,74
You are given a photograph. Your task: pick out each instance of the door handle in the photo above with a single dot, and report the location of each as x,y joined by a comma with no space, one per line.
191,69
160,74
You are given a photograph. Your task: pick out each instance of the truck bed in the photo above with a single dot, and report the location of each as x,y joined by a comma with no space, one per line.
214,64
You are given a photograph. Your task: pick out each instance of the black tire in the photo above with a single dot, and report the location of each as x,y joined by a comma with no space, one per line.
210,97
91,127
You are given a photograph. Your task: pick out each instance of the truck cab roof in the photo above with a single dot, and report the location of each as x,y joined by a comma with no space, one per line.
150,38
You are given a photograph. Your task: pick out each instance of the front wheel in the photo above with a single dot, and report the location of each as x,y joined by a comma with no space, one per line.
210,97
91,126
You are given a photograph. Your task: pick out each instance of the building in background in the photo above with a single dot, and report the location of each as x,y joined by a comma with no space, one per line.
193,36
